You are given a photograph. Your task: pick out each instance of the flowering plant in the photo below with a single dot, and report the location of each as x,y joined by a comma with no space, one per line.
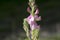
30,21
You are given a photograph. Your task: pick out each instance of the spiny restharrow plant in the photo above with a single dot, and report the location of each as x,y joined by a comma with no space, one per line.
30,23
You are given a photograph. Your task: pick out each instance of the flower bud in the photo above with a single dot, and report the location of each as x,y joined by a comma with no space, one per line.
28,9
37,11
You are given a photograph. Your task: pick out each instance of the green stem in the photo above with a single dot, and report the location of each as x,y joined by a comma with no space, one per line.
33,11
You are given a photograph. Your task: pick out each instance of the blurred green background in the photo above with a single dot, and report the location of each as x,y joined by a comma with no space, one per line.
12,13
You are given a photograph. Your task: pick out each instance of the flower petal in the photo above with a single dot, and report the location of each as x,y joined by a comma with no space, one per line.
28,9
37,18
34,25
37,11
30,18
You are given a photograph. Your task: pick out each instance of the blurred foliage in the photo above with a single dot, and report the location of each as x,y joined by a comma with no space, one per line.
12,13
16,10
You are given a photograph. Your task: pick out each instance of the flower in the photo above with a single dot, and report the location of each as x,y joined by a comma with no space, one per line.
31,21
37,18
37,11
28,9
34,25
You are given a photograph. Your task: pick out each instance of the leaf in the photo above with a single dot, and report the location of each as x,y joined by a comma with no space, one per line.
35,34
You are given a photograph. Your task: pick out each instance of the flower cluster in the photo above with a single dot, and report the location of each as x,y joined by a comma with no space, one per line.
32,19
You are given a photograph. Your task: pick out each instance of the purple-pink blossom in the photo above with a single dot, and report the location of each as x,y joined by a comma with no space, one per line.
34,25
37,18
37,11
32,19
28,9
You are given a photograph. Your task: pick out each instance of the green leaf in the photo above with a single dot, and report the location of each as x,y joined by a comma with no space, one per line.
35,34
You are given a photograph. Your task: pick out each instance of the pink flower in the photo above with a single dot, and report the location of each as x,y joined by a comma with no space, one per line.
37,18
37,11
30,18
28,9
32,23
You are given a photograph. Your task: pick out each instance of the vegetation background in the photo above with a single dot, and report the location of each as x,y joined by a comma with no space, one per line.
12,13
